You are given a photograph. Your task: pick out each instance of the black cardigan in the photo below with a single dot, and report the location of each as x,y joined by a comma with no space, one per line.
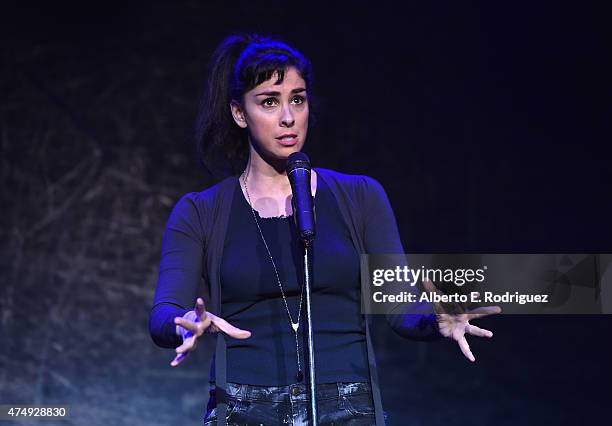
192,247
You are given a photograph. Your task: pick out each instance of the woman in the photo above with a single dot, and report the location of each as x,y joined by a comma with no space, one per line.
239,238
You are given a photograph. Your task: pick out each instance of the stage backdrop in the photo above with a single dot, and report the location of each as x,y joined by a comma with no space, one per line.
487,124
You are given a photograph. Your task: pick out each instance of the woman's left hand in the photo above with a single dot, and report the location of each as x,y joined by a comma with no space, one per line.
456,325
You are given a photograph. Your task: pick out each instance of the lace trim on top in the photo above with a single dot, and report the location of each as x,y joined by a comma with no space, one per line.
272,217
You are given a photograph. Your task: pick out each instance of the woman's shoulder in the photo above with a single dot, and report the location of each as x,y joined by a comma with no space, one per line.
209,193
198,202
350,182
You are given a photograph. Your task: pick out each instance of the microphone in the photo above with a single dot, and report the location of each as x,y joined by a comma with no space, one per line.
298,172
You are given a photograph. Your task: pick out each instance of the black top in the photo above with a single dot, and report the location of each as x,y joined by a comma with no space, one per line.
252,300
192,250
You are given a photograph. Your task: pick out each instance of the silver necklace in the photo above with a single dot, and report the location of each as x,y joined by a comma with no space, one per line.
295,325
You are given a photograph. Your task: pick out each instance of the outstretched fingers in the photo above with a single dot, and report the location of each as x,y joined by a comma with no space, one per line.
483,311
188,325
229,329
477,331
188,344
191,330
178,359
204,322
465,348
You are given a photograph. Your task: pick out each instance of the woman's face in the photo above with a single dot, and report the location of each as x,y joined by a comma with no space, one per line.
275,115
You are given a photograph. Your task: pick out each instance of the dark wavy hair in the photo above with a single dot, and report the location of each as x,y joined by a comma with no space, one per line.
239,63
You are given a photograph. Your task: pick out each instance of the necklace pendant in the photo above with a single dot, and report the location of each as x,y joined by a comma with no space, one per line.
295,326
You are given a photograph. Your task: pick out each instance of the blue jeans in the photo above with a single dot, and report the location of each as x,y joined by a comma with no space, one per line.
338,404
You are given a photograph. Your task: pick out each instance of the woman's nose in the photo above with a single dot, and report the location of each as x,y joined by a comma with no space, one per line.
287,118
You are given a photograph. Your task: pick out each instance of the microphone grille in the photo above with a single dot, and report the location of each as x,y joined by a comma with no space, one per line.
298,160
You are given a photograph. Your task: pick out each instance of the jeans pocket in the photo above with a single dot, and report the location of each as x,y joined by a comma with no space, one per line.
359,403
232,407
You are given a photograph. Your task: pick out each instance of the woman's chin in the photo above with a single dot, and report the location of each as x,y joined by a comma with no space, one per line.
285,152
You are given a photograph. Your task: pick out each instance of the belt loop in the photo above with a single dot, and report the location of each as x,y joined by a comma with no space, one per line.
341,398
241,397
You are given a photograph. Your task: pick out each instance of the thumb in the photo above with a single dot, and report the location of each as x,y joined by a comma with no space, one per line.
200,309
429,286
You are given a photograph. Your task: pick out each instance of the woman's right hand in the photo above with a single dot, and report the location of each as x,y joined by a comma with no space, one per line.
197,322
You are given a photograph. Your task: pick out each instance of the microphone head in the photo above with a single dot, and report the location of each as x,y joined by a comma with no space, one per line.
298,160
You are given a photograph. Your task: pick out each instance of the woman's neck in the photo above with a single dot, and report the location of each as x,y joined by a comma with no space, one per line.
267,187
265,178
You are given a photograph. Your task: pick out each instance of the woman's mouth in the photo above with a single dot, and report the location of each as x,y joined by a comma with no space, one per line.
287,139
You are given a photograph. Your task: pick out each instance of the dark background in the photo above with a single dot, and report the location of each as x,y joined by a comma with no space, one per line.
487,123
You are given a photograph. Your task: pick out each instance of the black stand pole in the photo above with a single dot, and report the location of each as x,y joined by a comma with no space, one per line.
309,333
298,172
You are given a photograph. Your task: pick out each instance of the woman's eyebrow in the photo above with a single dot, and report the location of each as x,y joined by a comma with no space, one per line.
272,93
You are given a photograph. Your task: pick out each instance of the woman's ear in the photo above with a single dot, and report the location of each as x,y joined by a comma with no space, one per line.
238,114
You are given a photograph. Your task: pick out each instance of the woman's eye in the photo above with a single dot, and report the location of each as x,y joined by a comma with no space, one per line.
299,99
269,102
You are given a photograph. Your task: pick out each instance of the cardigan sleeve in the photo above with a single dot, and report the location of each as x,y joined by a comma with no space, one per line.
180,271
415,321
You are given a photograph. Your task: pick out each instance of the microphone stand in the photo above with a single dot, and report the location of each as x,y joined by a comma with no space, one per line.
309,332
298,172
